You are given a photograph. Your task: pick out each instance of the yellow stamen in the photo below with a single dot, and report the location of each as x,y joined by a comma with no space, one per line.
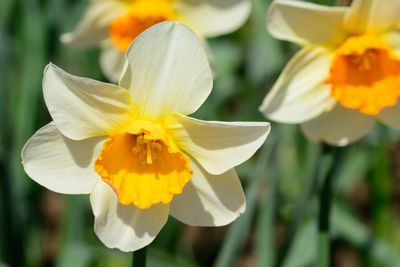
143,171
141,14
365,75
149,160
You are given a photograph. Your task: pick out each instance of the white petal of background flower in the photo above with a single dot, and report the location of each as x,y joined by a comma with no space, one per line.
167,71
300,93
373,16
124,227
210,18
112,61
81,107
391,116
306,23
209,200
93,28
392,39
61,164
338,127
218,146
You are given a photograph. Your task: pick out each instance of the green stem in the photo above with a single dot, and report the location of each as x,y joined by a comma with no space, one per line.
325,202
139,258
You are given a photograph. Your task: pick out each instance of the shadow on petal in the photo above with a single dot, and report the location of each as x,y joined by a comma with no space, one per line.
88,149
209,200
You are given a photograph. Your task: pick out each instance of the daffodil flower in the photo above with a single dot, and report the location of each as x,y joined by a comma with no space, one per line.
133,148
347,74
113,24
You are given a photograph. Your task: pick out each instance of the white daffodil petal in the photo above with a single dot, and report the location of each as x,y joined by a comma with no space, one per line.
112,61
81,107
392,39
391,116
218,146
61,164
340,126
372,15
124,227
306,23
300,93
93,28
210,18
209,200
168,71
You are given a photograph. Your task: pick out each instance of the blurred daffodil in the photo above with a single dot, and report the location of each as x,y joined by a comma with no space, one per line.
134,150
113,24
346,75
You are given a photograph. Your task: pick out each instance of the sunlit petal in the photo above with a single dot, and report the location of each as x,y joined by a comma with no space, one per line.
61,164
300,93
306,23
218,146
168,71
81,107
372,16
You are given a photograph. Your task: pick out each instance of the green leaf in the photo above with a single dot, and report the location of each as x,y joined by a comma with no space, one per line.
265,234
303,251
236,234
75,254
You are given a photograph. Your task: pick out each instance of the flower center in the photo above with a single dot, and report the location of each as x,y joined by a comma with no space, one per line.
144,149
365,75
142,169
141,15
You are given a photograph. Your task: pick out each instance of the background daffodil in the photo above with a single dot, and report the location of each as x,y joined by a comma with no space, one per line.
113,24
134,150
347,73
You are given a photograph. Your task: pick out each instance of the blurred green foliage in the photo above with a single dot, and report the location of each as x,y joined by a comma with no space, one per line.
40,228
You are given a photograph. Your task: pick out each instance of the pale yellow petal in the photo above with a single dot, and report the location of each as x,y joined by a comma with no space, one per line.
392,39
373,16
167,71
306,23
61,164
211,18
301,92
218,146
124,227
81,107
112,61
93,28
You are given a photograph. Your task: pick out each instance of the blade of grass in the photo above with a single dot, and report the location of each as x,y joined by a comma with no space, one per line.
332,155
233,241
26,91
303,251
302,207
265,241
